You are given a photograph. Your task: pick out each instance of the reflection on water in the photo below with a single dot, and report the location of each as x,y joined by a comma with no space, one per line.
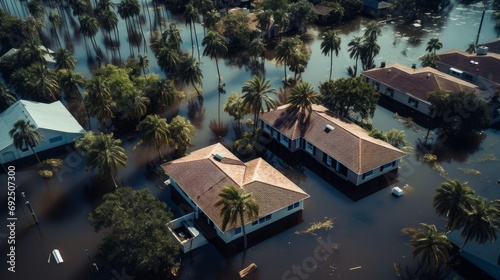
367,231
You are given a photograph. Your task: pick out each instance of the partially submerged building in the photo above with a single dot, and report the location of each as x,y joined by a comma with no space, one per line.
199,178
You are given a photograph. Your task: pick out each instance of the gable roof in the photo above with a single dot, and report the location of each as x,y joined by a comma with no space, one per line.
487,67
49,58
202,177
348,143
418,82
53,116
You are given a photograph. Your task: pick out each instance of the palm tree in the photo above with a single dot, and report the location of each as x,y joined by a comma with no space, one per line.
331,43
286,51
396,137
26,135
36,82
64,59
89,26
234,107
355,49
301,99
434,45
70,81
369,49
215,47
55,21
432,246
144,62
135,105
192,17
429,59
256,92
162,93
109,22
471,48
98,100
211,19
106,155
190,72
481,218
168,59
6,97
154,132
236,203
450,200
264,19
31,51
181,131
372,30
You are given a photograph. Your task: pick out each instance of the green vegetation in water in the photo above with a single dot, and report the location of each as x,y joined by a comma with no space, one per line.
327,225
430,158
470,171
409,123
48,167
436,166
488,157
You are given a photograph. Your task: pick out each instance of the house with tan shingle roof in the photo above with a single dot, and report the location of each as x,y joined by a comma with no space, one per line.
200,176
409,87
345,149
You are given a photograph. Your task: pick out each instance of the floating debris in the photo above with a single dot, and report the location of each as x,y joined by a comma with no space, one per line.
488,157
327,224
430,158
354,268
408,231
436,166
470,171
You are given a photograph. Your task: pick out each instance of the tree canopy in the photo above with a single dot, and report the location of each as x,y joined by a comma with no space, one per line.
347,96
135,233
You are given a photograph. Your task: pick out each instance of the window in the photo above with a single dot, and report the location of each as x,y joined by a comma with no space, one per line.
268,217
237,230
297,143
385,166
267,128
261,220
393,163
290,207
413,102
389,91
329,160
255,222
296,204
310,148
367,174
56,139
377,86
284,140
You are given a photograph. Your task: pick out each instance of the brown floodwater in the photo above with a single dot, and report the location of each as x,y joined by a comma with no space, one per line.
367,232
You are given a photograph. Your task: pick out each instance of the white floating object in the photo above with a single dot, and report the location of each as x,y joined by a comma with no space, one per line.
57,256
397,191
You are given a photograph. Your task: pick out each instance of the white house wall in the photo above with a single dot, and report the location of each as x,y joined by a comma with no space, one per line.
45,144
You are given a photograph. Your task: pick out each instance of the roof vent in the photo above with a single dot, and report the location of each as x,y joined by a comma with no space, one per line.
472,62
382,64
389,71
428,75
218,157
329,128
482,50
414,66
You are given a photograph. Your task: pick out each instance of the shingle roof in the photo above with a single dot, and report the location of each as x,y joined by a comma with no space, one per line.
202,177
418,82
488,66
53,116
348,143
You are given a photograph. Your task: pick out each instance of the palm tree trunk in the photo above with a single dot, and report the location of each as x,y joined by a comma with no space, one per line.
218,87
114,181
331,63
356,67
245,245
192,41
197,44
286,80
37,158
197,91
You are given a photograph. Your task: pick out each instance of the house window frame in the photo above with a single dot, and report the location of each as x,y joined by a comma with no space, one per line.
237,230
385,166
268,128
413,102
389,91
297,143
367,174
56,139
309,149
284,137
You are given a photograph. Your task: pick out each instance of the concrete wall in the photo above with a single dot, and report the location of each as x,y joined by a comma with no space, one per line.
186,245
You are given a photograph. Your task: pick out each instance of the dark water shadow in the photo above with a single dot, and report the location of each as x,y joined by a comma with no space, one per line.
450,150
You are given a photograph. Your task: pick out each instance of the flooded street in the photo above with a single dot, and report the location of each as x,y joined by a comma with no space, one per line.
367,233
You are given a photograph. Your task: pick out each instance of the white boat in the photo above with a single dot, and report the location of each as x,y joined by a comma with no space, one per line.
397,191
57,256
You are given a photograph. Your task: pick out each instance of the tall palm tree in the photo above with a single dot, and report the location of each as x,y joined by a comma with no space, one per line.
31,51
236,204
355,49
192,16
64,59
234,107
56,21
372,30
211,19
181,132
301,99
89,26
70,81
108,21
6,97
369,49
264,17
106,155
450,200
432,246
168,59
481,218
256,92
135,105
26,135
286,51
154,132
331,43
190,72
98,100
215,47
162,93
36,82
144,62
434,45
